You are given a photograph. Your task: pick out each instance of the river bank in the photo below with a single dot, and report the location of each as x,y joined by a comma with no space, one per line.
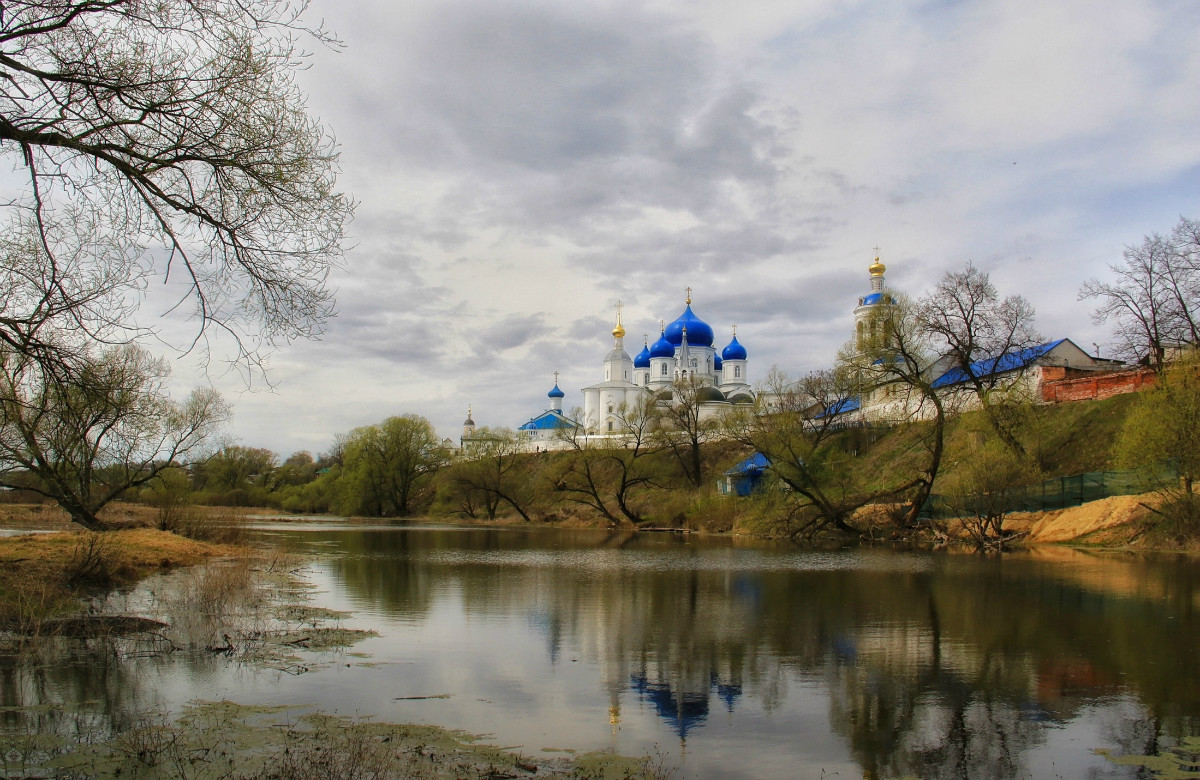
223,602
496,632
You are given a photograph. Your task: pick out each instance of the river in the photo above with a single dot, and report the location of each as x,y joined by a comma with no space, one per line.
729,658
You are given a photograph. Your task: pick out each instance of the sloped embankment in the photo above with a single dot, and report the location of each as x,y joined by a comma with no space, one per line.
1116,520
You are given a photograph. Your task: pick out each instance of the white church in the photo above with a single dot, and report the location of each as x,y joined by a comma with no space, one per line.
684,352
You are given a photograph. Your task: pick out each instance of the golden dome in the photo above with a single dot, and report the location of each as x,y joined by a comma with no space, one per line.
877,268
619,331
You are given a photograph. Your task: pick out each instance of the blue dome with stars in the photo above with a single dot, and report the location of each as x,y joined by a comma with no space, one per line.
698,331
735,351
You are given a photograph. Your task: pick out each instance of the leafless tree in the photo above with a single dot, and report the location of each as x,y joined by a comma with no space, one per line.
683,427
603,469
1153,305
970,324
890,371
109,427
164,139
494,468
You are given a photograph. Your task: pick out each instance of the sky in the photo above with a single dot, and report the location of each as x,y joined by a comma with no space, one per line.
520,166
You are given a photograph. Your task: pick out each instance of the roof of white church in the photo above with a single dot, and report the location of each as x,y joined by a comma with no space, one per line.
549,420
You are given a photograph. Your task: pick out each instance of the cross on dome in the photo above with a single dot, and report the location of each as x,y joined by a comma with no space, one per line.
619,331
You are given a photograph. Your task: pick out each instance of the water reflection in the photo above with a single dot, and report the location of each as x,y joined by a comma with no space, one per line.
747,660
934,666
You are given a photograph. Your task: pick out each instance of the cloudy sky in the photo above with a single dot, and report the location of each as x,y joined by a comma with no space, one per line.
522,165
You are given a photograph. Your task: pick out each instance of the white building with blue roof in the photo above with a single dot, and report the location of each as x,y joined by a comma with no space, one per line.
551,424
1018,371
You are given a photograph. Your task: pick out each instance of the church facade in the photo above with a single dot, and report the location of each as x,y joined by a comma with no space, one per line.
684,353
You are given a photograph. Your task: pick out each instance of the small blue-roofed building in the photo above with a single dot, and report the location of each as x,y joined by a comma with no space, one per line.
746,477
550,425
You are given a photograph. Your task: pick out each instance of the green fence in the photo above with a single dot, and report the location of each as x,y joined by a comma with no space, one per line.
1063,492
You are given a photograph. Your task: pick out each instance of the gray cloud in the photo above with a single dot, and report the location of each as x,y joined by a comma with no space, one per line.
521,165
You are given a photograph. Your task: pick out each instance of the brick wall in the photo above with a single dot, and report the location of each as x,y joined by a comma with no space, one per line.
1059,384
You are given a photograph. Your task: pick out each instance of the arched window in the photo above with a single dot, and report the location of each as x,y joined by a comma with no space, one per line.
610,426
610,408
737,372
664,369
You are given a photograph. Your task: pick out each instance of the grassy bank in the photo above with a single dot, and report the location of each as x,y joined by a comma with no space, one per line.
43,574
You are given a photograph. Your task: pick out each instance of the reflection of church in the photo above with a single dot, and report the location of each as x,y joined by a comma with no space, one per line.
682,354
681,709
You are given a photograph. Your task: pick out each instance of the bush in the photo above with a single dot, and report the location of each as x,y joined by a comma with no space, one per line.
95,560
217,528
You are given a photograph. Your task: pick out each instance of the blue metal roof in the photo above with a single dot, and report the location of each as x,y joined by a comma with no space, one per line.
841,407
548,421
756,462
1009,361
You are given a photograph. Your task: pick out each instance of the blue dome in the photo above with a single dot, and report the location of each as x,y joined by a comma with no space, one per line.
643,358
735,351
555,393
872,299
698,331
718,364
662,348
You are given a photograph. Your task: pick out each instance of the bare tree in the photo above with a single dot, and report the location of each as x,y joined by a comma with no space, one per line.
1154,303
109,428
495,469
970,324
164,138
1183,279
683,427
889,368
603,469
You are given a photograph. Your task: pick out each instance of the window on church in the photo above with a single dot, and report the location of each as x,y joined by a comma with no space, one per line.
610,408
664,369
695,363
737,372
610,426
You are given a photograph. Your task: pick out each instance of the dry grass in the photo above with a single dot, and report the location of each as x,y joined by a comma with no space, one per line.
39,571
